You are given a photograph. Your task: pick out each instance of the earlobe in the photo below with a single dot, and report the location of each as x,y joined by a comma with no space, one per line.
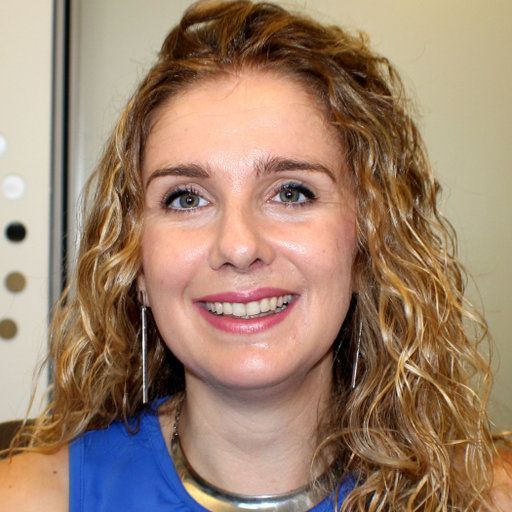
143,299
141,290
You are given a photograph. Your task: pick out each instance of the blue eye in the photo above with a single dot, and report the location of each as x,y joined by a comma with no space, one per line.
295,194
184,199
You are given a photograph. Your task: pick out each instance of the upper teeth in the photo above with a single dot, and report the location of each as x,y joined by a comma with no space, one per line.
249,308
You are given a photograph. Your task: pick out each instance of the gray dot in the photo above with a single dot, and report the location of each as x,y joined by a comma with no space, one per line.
15,282
8,329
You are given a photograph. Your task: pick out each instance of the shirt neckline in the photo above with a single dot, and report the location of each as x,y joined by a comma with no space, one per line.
153,433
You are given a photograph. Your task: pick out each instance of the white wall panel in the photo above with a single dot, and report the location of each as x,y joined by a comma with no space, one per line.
25,124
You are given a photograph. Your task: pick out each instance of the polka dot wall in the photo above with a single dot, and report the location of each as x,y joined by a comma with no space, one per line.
25,199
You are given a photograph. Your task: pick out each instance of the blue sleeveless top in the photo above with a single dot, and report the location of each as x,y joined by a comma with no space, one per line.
112,470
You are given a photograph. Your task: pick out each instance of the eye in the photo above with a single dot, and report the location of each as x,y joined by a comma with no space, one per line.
184,199
294,194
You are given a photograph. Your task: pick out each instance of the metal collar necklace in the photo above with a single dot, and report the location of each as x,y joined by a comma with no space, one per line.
218,500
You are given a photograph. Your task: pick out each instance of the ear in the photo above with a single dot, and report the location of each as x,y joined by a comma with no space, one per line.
141,290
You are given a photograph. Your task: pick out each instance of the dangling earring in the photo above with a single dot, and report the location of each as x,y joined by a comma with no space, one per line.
356,358
144,345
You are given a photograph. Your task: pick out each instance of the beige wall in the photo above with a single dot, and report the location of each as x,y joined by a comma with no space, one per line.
455,58
25,122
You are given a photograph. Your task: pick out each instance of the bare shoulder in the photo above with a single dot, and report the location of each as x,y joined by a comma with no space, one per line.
35,482
501,493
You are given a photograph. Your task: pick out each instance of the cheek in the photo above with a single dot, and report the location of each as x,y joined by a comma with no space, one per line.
346,247
169,258
330,264
327,249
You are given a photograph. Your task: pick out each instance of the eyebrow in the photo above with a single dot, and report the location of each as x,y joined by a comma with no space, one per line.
277,164
188,170
263,167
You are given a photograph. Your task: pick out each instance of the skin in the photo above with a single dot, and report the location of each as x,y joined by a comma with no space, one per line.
242,237
35,482
252,399
501,493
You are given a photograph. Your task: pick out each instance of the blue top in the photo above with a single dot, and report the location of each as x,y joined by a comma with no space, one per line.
112,470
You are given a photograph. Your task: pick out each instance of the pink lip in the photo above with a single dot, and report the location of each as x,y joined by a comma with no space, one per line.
234,325
246,296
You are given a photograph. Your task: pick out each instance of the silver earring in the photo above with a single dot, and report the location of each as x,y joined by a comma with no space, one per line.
144,345
356,358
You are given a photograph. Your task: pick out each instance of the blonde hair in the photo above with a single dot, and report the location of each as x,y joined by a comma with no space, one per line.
414,430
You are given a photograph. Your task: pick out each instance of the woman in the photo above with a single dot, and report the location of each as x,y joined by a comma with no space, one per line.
263,262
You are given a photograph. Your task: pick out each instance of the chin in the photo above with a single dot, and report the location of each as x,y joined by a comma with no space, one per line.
260,376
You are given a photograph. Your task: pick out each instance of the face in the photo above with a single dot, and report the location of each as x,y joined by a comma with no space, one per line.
248,232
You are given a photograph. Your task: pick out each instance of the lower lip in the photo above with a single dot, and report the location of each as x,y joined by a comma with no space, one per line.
235,325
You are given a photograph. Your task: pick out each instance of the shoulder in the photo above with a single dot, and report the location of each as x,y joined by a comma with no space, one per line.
35,482
501,492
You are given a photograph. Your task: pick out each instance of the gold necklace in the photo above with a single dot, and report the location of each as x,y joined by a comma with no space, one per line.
218,500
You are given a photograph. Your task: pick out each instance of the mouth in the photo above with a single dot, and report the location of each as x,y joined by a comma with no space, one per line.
247,312
255,309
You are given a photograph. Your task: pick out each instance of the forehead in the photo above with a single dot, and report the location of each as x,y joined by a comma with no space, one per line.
237,118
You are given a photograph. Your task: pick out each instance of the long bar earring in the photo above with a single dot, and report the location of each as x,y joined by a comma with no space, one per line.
356,358
144,345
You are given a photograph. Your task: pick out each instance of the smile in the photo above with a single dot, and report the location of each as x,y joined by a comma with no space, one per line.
255,309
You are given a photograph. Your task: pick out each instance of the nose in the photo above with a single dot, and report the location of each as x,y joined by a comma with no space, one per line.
240,241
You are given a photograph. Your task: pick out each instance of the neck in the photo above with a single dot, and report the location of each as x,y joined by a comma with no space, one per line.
257,442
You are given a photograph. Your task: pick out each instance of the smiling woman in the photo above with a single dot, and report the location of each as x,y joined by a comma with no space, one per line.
263,260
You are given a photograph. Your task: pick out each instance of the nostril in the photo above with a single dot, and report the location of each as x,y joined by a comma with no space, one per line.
255,265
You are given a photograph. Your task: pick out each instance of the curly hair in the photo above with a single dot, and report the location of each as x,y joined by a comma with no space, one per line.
414,429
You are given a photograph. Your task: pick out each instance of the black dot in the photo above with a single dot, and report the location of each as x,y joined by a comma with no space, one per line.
15,232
